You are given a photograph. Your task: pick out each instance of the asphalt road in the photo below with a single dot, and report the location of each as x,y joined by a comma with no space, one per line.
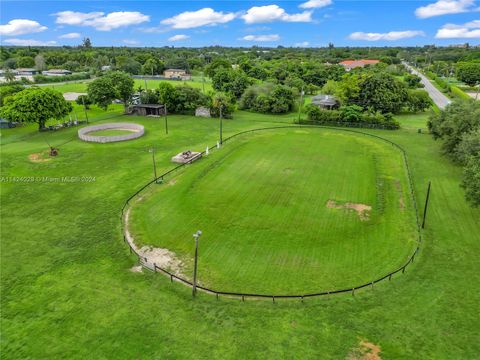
437,96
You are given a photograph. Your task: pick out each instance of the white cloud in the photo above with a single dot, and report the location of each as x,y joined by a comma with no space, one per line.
302,44
73,35
154,30
75,18
390,36
178,37
29,42
311,4
273,37
473,24
470,30
130,42
444,7
270,13
202,17
21,27
100,21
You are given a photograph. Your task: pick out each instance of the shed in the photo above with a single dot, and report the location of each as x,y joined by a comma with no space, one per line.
325,101
25,71
56,72
178,74
147,110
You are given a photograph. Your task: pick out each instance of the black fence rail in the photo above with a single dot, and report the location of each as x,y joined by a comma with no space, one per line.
359,124
239,295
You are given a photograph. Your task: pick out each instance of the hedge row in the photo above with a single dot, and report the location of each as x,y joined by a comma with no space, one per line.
350,115
53,79
458,93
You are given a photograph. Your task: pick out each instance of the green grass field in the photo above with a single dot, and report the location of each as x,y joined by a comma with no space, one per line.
110,132
262,203
68,292
81,86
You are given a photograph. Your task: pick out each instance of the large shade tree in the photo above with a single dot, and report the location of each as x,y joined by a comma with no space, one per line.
382,92
102,92
471,180
35,105
469,73
123,85
114,85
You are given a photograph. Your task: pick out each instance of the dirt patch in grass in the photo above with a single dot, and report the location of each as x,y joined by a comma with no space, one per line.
365,351
40,157
151,256
362,210
136,269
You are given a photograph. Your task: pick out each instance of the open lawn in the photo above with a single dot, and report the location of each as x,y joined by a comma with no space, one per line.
274,210
68,292
195,82
81,86
110,132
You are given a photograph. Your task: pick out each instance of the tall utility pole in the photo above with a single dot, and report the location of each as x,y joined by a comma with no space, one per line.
152,150
203,82
221,125
196,236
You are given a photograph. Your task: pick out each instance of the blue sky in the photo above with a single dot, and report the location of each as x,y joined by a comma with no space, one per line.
240,23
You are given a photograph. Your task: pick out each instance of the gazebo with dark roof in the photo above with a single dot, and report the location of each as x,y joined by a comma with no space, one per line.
325,101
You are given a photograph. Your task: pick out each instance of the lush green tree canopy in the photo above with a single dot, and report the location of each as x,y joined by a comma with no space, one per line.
102,92
459,118
382,92
471,180
231,81
36,105
469,72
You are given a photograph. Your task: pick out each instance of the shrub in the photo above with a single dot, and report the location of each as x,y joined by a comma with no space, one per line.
316,114
351,113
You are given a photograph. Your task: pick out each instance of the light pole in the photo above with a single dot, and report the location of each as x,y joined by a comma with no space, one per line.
196,236
152,150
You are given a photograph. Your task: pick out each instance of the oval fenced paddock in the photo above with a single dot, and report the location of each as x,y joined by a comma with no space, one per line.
135,131
387,275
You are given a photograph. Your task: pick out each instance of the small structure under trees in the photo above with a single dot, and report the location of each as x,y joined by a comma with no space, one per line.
325,101
147,110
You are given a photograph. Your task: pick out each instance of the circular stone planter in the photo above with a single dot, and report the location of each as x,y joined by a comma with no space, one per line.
135,129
